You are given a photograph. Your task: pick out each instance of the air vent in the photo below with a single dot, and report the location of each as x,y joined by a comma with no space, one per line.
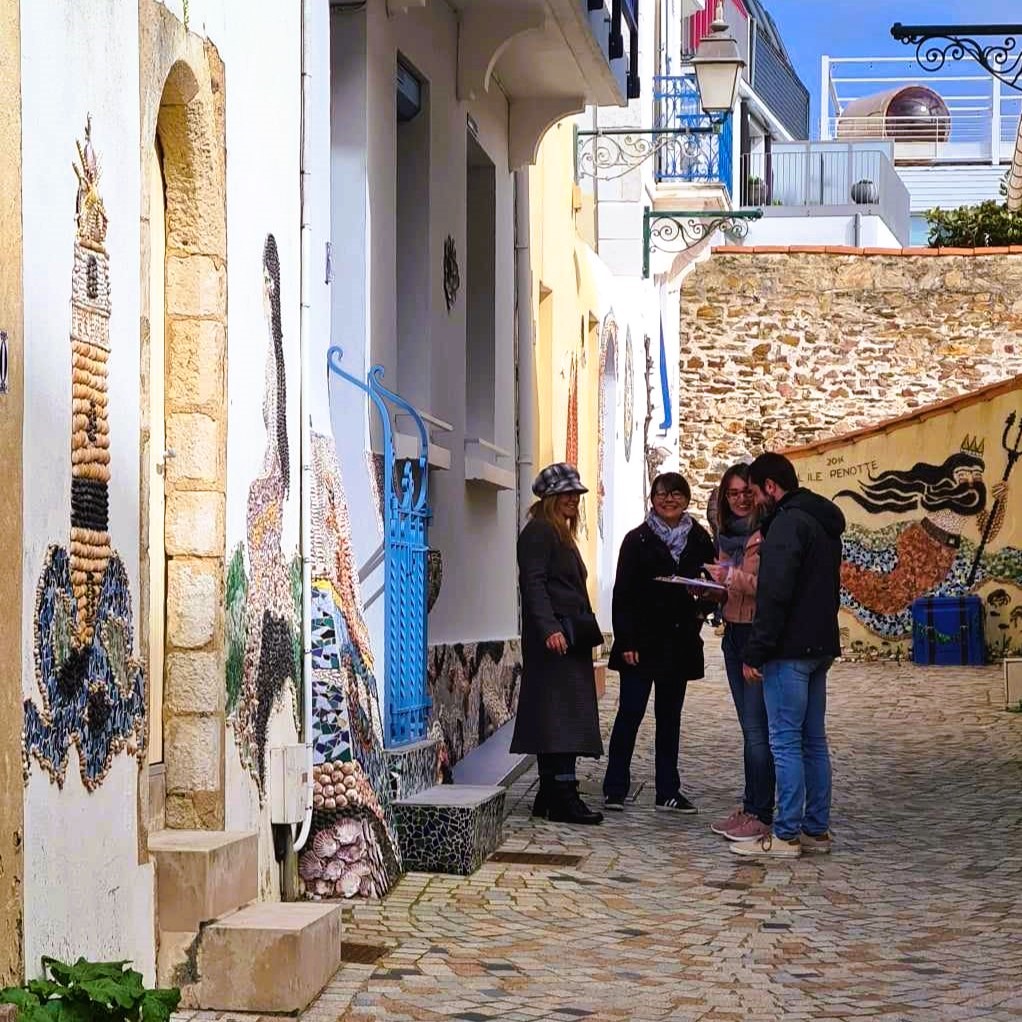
409,93
362,954
536,858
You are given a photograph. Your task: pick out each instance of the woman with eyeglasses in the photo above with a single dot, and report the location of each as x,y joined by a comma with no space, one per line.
737,567
656,638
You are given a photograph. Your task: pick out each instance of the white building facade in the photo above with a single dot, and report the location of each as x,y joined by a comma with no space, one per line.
199,604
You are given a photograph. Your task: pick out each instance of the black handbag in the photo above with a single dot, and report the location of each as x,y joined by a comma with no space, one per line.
581,631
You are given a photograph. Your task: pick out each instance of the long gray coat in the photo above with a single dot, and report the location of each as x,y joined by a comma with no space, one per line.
557,709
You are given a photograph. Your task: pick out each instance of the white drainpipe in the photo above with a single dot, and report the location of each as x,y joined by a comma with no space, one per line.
306,476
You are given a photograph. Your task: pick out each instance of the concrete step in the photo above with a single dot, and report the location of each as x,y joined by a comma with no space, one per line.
450,828
268,957
202,875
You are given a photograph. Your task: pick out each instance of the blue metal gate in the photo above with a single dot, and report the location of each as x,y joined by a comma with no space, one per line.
406,516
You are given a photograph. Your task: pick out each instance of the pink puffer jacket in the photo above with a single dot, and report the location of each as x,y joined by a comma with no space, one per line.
740,607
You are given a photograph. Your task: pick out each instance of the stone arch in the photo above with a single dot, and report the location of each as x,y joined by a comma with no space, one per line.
182,103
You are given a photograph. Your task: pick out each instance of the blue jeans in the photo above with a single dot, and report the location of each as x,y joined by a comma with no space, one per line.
796,701
752,718
632,699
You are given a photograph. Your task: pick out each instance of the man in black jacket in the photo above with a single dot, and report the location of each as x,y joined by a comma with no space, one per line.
793,642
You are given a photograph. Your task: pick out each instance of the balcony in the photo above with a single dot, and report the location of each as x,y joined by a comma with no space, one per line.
704,159
551,58
847,183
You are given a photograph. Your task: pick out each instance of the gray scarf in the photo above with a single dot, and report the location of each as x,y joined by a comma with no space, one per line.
732,542
674,538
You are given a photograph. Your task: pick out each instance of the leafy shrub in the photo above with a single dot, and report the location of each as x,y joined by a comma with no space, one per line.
90,992
989,223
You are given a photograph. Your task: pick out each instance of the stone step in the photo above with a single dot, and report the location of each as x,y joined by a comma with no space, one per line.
268,957
450,828
202,875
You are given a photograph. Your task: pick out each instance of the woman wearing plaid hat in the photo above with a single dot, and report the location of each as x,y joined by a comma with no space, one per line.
557,717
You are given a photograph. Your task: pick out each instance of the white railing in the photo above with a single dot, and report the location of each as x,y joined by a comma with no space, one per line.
826,178
980,126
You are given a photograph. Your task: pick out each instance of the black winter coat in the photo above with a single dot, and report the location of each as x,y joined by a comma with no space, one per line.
798,593
659,620
557,709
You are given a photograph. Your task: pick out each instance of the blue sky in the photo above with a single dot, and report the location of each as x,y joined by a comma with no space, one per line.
862,28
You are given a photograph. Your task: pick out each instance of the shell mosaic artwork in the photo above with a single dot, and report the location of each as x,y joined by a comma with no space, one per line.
263,607
629,395
92,686
353,851
604,414
474,690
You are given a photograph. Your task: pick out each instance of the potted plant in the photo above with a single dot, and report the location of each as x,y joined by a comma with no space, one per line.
865,192
756,191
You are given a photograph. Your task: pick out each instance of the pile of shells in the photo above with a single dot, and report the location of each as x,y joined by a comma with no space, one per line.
339,863
335,786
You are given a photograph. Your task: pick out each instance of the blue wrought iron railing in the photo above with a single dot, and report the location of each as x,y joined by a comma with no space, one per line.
709,157
406,516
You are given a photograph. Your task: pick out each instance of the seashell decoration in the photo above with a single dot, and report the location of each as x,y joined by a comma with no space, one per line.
325,844
310,867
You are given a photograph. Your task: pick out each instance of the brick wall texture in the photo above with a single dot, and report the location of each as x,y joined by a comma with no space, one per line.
783,346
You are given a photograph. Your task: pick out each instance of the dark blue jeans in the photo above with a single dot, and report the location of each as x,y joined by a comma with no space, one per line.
752,717
796,699
632,700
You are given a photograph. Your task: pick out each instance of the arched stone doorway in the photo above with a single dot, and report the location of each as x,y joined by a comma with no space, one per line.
184,421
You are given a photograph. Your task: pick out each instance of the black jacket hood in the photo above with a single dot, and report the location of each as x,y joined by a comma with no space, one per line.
826,512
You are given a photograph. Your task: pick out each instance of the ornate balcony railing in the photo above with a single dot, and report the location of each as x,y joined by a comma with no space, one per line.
705,157
406,515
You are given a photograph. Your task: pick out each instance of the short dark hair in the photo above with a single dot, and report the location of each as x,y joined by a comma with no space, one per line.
666,482
776,467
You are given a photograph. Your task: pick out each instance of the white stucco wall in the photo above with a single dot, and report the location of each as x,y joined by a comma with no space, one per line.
85,892
466,521
820,230
260,46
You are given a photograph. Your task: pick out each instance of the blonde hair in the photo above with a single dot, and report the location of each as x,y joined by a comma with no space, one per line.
545,510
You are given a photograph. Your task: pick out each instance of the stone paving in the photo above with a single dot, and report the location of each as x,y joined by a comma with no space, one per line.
916,915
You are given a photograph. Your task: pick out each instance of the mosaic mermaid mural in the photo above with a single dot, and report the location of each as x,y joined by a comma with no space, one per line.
91,685
264,604
930,527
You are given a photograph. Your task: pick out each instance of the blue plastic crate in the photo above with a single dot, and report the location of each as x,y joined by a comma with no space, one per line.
948,630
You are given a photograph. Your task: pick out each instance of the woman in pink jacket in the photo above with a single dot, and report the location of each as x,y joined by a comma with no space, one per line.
737,567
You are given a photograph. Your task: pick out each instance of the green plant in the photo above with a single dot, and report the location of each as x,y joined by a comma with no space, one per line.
988,224
90,992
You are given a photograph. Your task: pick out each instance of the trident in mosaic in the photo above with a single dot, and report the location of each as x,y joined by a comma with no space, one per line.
1014,452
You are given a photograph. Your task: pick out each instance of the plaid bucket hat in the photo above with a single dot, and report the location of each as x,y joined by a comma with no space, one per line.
558,478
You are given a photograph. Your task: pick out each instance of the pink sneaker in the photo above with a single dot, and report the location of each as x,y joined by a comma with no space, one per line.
721,827
747,828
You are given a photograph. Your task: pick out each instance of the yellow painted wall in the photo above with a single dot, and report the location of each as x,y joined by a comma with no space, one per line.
12,320
893,556
564,321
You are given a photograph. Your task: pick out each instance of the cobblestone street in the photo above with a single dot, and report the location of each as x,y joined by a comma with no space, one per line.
915,916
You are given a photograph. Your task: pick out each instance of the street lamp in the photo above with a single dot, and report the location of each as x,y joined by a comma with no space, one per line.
718,63
616,151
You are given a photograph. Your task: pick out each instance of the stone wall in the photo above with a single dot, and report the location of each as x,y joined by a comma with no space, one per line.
781,346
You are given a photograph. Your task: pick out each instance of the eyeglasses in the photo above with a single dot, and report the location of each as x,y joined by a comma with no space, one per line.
673,495
739,494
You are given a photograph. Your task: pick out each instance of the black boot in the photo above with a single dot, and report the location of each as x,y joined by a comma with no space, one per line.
567,807
541,806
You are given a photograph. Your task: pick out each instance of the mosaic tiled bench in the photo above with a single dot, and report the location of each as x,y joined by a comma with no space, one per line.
450,828
414,767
